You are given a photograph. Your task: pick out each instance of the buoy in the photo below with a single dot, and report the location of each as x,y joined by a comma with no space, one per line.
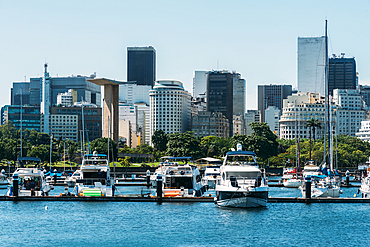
46,207
355,195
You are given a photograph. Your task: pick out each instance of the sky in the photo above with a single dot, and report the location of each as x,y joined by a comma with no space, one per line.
257,39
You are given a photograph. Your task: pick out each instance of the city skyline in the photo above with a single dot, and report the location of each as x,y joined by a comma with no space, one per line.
257,40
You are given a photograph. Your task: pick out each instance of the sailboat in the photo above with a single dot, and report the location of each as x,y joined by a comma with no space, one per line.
325,185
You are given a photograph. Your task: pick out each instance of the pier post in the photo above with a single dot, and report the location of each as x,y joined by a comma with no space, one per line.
147,178
308,187
55,176
15,185
159,188
347,178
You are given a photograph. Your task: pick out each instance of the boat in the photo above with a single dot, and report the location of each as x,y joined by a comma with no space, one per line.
3,180
180,180
211,174
242,183
94,176
71,180
365,185
31,181
292,182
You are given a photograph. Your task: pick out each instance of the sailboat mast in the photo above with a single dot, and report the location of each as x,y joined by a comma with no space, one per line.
327,108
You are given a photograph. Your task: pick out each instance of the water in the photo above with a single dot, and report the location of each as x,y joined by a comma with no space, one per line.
183,224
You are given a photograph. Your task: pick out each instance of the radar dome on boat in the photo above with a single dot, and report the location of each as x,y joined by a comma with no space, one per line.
239,147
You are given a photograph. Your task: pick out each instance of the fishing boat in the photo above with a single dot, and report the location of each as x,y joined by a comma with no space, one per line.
3,180
242,183
31,181
180,180
94,178
211,174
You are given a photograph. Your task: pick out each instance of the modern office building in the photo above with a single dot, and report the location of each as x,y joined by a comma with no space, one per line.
169,107
30,116
272,117
226,94
199,83
342,73
20,93
132,93
311,64
365,93
272,95
63,117
249,117
68,98
141,65
143,122
206,123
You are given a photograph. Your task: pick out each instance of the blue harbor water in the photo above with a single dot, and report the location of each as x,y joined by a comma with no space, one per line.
183,224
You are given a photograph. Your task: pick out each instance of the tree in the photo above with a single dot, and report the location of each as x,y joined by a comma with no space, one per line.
159,140
183,145
100,145
143,149
262,141
213,146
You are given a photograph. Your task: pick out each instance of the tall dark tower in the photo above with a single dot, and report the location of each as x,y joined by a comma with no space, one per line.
342,73
141,65
220,95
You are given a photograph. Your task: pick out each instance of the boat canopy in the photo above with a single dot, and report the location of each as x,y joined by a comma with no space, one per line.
29,159
95,155
176,158
241,153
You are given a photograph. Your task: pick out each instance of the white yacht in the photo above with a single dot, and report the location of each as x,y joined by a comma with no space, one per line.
180,179
365,185
3,180
242,184
292,182
94,178
31,181
211,174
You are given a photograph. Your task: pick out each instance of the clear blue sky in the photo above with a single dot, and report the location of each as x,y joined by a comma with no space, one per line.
258,39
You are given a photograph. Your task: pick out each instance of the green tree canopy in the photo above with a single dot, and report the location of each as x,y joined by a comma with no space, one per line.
159,140
183,144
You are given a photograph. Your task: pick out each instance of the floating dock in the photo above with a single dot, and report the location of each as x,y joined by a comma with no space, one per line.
177,199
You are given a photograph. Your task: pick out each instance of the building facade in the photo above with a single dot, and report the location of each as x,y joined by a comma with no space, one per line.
141,65
272,117
364,132
199,83
249,117
206,123
132,93
311,64
342,73
272,95
351,110
169,107
30,118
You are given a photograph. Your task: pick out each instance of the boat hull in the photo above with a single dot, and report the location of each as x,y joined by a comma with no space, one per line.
292,183
243,200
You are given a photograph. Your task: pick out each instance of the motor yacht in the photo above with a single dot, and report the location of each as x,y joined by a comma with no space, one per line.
31,181
242,183
180,179
94,176
211,174
365,185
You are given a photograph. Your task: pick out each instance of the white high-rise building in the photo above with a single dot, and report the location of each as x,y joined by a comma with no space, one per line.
65,99
272,117
199,83
143,121
169,107
311,64
132,93
351,110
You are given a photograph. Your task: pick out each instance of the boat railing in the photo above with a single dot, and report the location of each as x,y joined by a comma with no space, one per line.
249,182
91,181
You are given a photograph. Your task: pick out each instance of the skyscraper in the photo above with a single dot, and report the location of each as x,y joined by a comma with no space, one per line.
199,83
226,94
311,64
141,65
342,73
272,95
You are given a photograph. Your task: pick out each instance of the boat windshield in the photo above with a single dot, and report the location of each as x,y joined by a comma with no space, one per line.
252,174
240,159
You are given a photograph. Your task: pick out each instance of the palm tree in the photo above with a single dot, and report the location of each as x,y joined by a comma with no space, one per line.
313,124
